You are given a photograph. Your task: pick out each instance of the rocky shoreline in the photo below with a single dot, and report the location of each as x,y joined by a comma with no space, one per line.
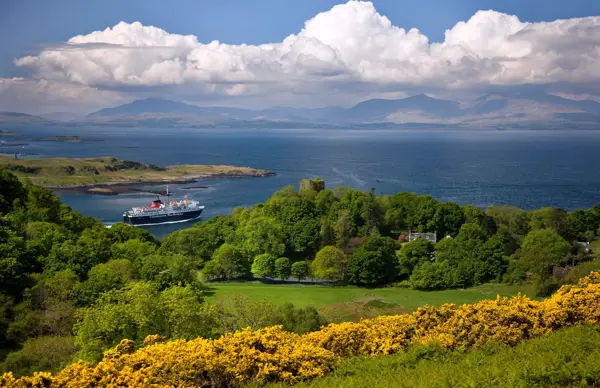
133,186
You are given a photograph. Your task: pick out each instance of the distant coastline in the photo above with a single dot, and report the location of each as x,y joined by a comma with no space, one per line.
112,176
65,139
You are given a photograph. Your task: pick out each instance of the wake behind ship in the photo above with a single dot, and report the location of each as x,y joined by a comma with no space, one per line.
160,213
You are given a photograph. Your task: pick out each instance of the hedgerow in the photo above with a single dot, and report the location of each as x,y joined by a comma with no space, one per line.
272,354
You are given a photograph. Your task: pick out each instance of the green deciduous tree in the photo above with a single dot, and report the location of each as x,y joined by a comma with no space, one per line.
300,270
14,264
264,266
283,268
542,249
228,262
550,218
138,311
112,275
374,262
10,190
168,271
448,219
261,235
414,253
330,263
133,250
121,232
432,276
48,354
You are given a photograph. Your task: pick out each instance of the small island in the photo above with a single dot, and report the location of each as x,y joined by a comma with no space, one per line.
110,176
65,139
6,132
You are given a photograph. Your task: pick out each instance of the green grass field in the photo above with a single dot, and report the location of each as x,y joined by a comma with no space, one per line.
352,303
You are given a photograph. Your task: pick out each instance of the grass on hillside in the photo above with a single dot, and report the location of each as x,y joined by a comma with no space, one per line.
339,304
68,172
565,358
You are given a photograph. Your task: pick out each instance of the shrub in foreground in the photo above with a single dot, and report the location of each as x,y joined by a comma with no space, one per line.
566,358
271,354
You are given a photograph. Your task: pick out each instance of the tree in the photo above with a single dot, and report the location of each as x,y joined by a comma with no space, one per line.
238,311
414,253
14,264
542,249
431,276
474,215
283,268
42,204
374,262
41,236
92,248
261,235
10,189
550,218
200,241
134,250
48,353
423,218
138,311
112,275
343,228
186,316
490,257
330,264
448,219
168,271
300,270
47,308
581,224
228,262
299,320
514,220
264,266
121,232
324,200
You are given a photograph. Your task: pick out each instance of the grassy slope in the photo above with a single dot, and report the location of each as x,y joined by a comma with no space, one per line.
566,358
352,303
85,171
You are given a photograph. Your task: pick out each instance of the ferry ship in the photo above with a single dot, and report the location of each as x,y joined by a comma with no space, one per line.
160,213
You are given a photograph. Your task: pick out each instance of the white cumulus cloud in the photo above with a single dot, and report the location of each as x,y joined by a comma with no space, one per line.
349,44
43,96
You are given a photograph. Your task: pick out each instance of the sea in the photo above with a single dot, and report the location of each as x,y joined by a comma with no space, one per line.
529,169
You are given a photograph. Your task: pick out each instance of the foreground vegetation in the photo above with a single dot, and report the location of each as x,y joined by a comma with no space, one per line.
71,289
67,172
272,354
565,358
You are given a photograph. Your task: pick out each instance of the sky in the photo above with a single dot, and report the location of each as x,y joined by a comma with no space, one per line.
77,56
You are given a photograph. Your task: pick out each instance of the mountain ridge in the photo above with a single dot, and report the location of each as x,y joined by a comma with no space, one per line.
492,109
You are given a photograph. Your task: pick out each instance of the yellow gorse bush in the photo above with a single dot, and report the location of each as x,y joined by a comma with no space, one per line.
271,354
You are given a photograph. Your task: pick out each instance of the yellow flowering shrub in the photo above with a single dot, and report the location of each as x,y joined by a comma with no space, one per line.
272,354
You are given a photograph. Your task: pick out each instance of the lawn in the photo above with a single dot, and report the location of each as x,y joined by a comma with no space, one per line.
352,303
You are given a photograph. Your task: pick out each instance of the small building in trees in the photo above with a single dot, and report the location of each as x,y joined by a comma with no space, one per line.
428,236
315,184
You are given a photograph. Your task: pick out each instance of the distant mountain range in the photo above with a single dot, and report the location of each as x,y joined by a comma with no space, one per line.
498,110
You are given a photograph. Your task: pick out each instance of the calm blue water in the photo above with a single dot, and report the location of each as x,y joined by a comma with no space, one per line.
525,168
